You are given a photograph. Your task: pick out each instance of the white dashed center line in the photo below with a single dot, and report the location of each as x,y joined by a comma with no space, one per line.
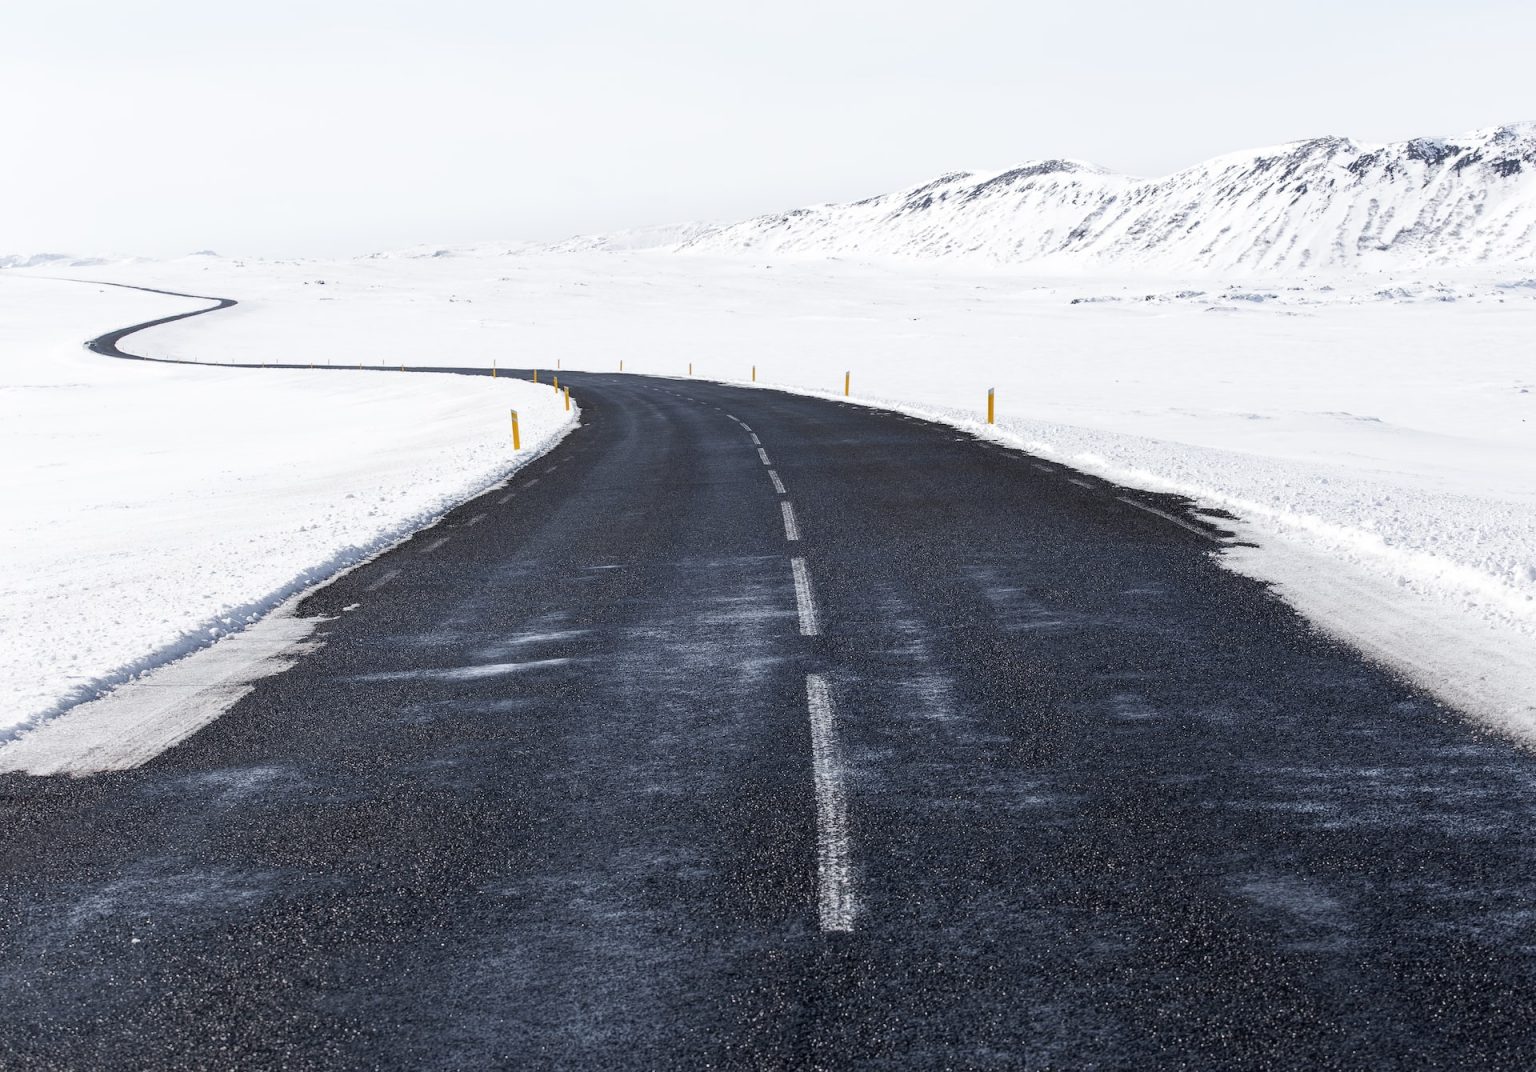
508,497
382,581
1179,521
805,599
434,545
791,527
531,483
834,872
1079,483
474,520
763,454
778,485
756,442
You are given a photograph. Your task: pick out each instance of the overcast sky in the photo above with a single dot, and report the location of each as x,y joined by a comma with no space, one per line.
159,127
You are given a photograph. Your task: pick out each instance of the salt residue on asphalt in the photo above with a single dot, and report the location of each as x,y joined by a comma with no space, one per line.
152,508
1376,434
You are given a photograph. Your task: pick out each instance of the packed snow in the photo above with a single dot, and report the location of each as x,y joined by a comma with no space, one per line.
151,509
1375,437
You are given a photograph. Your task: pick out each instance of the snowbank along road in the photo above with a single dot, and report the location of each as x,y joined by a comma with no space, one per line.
750,729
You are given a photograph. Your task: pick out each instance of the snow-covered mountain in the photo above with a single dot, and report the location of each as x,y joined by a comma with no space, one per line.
1325,203
49,260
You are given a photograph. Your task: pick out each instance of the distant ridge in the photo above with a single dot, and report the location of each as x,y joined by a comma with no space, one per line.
1327,203
49,260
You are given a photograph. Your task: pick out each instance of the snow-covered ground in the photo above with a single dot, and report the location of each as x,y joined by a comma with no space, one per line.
1375,433
150,508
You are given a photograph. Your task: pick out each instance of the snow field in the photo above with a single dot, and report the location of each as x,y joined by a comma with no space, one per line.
153,508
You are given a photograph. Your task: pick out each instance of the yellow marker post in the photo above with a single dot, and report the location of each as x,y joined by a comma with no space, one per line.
493,368
690,368
557,363
535,375
557,383
621,364
754,373
991,405
847,382
567,400
517,440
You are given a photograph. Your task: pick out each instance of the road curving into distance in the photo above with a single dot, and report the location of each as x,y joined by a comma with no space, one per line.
107,345
748,729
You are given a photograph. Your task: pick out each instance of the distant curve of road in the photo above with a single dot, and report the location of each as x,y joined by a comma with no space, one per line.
748,729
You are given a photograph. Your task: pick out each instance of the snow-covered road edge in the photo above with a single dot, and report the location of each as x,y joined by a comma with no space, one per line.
1346,582
138,711
215,629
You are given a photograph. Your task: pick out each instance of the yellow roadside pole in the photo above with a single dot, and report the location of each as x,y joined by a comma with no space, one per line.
690,368
621,364
517,440
847,381
754,373
567,400
557,383
535,375
991,405
493,368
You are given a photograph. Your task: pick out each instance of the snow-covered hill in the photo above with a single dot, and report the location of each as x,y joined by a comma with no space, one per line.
50,260
1320,204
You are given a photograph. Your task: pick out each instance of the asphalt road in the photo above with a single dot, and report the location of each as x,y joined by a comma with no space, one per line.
984,768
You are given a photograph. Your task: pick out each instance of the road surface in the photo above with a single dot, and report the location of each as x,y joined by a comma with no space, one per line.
754,730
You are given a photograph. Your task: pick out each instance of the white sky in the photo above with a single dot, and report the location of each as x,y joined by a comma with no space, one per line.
338,126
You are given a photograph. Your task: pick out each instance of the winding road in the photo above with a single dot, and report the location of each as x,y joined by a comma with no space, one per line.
754,730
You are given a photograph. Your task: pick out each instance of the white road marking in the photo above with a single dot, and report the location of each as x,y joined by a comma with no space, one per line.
531,483
778,485
508,497
382,581
434,545
791,528
1179,521
733,417
474,520
756,442
805,599
1042,468
763,454
834,871
1079,483
745,426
